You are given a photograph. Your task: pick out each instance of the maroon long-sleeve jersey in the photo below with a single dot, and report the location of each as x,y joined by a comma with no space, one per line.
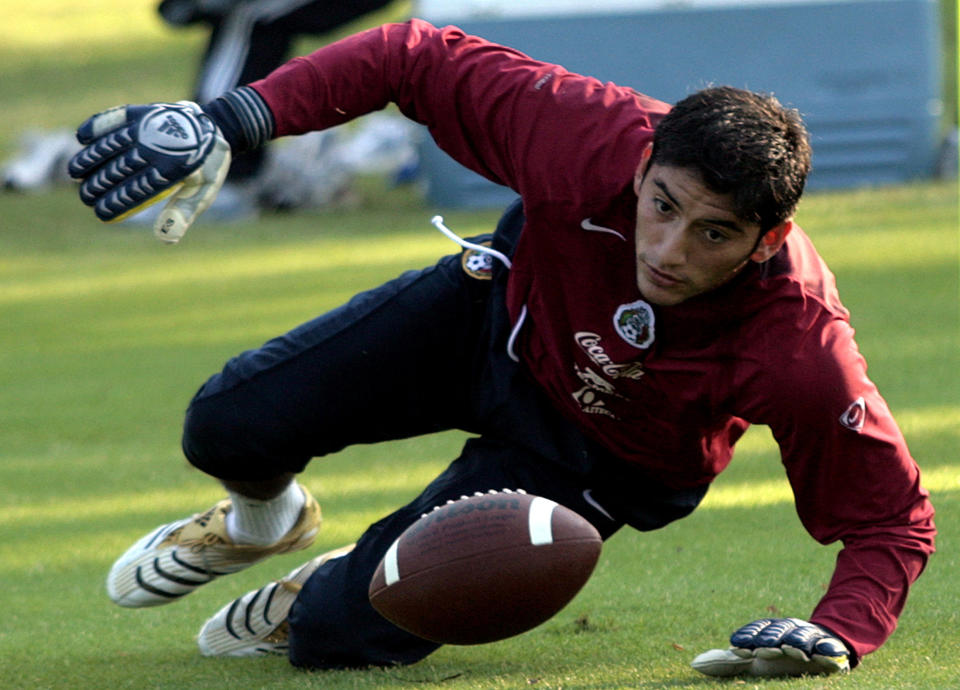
668,388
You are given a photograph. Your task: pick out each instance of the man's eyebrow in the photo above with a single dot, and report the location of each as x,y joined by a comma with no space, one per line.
731,225
663,188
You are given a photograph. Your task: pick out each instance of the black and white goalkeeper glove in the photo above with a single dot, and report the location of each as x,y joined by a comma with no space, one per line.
136,155
777,647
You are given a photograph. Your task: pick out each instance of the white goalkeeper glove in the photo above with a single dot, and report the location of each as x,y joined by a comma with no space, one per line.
136,155
777,647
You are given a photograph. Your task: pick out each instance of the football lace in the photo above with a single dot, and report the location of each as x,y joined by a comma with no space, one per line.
475,493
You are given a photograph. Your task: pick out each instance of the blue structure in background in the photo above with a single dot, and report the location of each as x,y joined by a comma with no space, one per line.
865,74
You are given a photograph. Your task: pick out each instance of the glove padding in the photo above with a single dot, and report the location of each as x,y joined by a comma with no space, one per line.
136,155
777,647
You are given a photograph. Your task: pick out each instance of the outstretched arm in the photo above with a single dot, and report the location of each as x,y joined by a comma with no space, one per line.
493,109
854,481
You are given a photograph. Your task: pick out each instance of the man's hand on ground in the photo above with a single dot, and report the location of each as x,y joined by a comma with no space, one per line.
777,647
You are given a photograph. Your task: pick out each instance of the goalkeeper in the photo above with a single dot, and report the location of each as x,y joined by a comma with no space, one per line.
606,346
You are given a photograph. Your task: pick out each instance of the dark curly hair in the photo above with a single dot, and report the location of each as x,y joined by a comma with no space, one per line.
742,143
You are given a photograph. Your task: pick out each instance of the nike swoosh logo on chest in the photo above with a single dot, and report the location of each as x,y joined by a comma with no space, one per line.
590,226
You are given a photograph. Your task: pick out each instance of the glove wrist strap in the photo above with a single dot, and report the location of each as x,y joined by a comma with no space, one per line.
243,117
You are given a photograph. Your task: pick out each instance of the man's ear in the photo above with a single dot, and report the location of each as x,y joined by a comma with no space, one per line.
642,168
771,242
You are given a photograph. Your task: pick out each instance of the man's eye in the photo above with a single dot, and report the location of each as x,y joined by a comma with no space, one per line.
661,205
714,235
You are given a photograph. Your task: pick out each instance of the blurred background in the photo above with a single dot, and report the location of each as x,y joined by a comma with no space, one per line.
876,80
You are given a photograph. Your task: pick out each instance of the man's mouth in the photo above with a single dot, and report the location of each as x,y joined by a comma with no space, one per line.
662,279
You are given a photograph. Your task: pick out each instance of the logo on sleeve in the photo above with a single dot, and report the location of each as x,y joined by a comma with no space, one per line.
855,415
634,323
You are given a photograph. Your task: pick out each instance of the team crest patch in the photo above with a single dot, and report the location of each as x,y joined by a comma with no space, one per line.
477,264
854,416
634,323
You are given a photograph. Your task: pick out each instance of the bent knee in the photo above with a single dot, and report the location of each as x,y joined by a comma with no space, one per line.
225,442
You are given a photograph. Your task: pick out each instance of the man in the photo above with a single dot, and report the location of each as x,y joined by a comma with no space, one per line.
608,344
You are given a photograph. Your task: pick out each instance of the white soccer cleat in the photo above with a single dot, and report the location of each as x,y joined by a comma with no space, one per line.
176,558
256,623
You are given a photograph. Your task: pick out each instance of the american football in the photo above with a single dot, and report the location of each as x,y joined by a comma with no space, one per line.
485,567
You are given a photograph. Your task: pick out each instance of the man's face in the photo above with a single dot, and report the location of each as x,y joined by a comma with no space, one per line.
688,240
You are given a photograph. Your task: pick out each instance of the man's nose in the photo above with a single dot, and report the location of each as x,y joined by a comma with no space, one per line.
671,247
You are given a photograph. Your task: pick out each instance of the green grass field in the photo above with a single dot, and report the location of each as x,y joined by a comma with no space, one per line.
106,334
